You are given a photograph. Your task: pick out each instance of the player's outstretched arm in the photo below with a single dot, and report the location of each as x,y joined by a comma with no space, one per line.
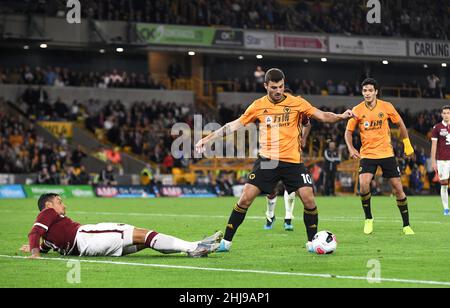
330,117
354,154
220,133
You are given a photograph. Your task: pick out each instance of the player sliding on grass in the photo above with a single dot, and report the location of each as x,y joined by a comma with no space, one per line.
107,239
372,118
279,115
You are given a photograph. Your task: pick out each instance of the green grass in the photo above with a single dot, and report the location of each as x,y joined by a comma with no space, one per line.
423,257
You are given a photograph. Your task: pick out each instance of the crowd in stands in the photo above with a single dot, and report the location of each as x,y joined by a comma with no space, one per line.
22,151
142,129
405,18
63,77
430,87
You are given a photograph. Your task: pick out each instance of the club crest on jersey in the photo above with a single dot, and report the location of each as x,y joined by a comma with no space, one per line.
381,115
287,110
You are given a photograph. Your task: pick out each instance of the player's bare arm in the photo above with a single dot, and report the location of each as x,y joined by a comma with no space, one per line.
354,154
220,133
330,117
434,145
306,130
35,254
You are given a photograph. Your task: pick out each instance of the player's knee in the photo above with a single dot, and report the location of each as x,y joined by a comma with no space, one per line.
398,191
245,202
364,188
308,201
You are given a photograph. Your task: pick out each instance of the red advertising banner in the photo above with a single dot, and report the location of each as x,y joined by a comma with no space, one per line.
301,43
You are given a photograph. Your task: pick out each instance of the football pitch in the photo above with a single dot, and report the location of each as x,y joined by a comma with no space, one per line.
259,259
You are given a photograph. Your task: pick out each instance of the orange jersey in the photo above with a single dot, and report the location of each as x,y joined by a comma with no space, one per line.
279,126
374,128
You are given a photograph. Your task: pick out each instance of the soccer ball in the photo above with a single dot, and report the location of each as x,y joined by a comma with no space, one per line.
324,243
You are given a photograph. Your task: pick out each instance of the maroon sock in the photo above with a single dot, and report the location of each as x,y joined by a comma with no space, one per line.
149,238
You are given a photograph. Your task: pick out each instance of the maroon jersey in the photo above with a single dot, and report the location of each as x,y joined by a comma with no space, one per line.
58,231
441,133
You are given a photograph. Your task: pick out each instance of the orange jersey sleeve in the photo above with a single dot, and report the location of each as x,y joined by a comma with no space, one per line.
250,115
393,114
352,124
306,108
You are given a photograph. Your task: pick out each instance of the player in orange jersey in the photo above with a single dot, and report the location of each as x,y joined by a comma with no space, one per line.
279,115
372,119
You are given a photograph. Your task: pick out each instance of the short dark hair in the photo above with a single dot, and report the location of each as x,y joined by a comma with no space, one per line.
274,75
370,81
447,107
44,199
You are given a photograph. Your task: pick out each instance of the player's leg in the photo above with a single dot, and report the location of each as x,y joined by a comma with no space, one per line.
367,169
270,213
444,196
296,178
132,249
311,214
166,244
238,215
263,179
444,175
391,171
402,203
271,205
289,204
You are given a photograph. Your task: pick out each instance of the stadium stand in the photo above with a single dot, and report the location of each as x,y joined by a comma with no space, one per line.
405,18
63,77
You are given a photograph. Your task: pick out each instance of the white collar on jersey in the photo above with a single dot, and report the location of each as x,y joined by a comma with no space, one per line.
445,124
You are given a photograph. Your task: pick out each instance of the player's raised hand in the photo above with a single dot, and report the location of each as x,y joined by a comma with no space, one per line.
200,146
348,114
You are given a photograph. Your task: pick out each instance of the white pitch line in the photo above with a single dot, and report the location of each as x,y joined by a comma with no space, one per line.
327,276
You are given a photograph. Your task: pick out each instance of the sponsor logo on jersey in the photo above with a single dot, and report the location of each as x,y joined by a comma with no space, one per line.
373,125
